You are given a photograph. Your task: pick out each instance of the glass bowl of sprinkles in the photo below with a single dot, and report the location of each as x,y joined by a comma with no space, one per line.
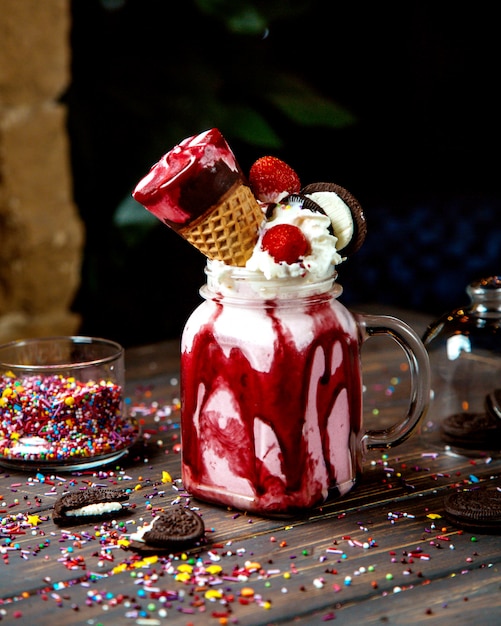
62,404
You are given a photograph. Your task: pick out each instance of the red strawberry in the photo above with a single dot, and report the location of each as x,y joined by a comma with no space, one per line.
271,179
285,242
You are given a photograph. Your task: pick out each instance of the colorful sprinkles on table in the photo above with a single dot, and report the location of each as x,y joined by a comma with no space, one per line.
219,581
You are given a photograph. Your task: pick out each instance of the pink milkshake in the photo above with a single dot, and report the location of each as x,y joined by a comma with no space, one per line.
271,395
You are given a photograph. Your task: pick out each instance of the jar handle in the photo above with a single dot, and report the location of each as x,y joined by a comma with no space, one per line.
419,367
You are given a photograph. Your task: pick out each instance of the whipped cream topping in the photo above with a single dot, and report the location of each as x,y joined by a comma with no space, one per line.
323,255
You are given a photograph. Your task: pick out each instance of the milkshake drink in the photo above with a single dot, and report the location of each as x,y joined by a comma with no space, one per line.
272,395
271,385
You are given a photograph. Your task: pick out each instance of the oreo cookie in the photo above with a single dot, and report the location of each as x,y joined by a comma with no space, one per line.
359,226
306,203
474,431
477,510
93,504
176,528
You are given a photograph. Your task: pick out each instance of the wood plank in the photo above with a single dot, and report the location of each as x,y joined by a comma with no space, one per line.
381,554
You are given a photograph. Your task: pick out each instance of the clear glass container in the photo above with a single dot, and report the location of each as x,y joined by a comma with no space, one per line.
62,404
464,347
271,392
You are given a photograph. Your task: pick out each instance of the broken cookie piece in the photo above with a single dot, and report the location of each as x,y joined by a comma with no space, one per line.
175,529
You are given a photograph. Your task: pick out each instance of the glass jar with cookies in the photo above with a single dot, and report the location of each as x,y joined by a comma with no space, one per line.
464,346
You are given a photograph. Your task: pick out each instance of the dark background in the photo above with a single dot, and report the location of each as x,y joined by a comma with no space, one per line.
416,139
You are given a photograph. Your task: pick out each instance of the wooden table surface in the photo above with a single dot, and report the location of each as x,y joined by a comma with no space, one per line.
382,554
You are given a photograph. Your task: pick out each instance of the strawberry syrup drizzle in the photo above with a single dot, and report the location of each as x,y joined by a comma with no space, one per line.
279,398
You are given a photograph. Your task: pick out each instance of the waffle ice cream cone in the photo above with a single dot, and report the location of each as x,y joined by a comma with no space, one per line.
229,231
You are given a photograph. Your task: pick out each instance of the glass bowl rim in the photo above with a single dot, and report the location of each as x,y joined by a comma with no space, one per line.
117,351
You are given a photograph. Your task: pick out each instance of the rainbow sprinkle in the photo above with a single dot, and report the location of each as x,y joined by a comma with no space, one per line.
58,419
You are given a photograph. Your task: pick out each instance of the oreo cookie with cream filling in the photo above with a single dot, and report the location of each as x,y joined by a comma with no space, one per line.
477,510
344,211
176,528
91,505
306,203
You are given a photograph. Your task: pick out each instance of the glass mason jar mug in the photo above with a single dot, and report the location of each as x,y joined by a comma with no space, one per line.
271,392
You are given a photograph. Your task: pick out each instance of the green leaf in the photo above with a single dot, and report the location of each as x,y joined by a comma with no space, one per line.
251,127
133,221
248,22
253,16
239,17
313,110
307,107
